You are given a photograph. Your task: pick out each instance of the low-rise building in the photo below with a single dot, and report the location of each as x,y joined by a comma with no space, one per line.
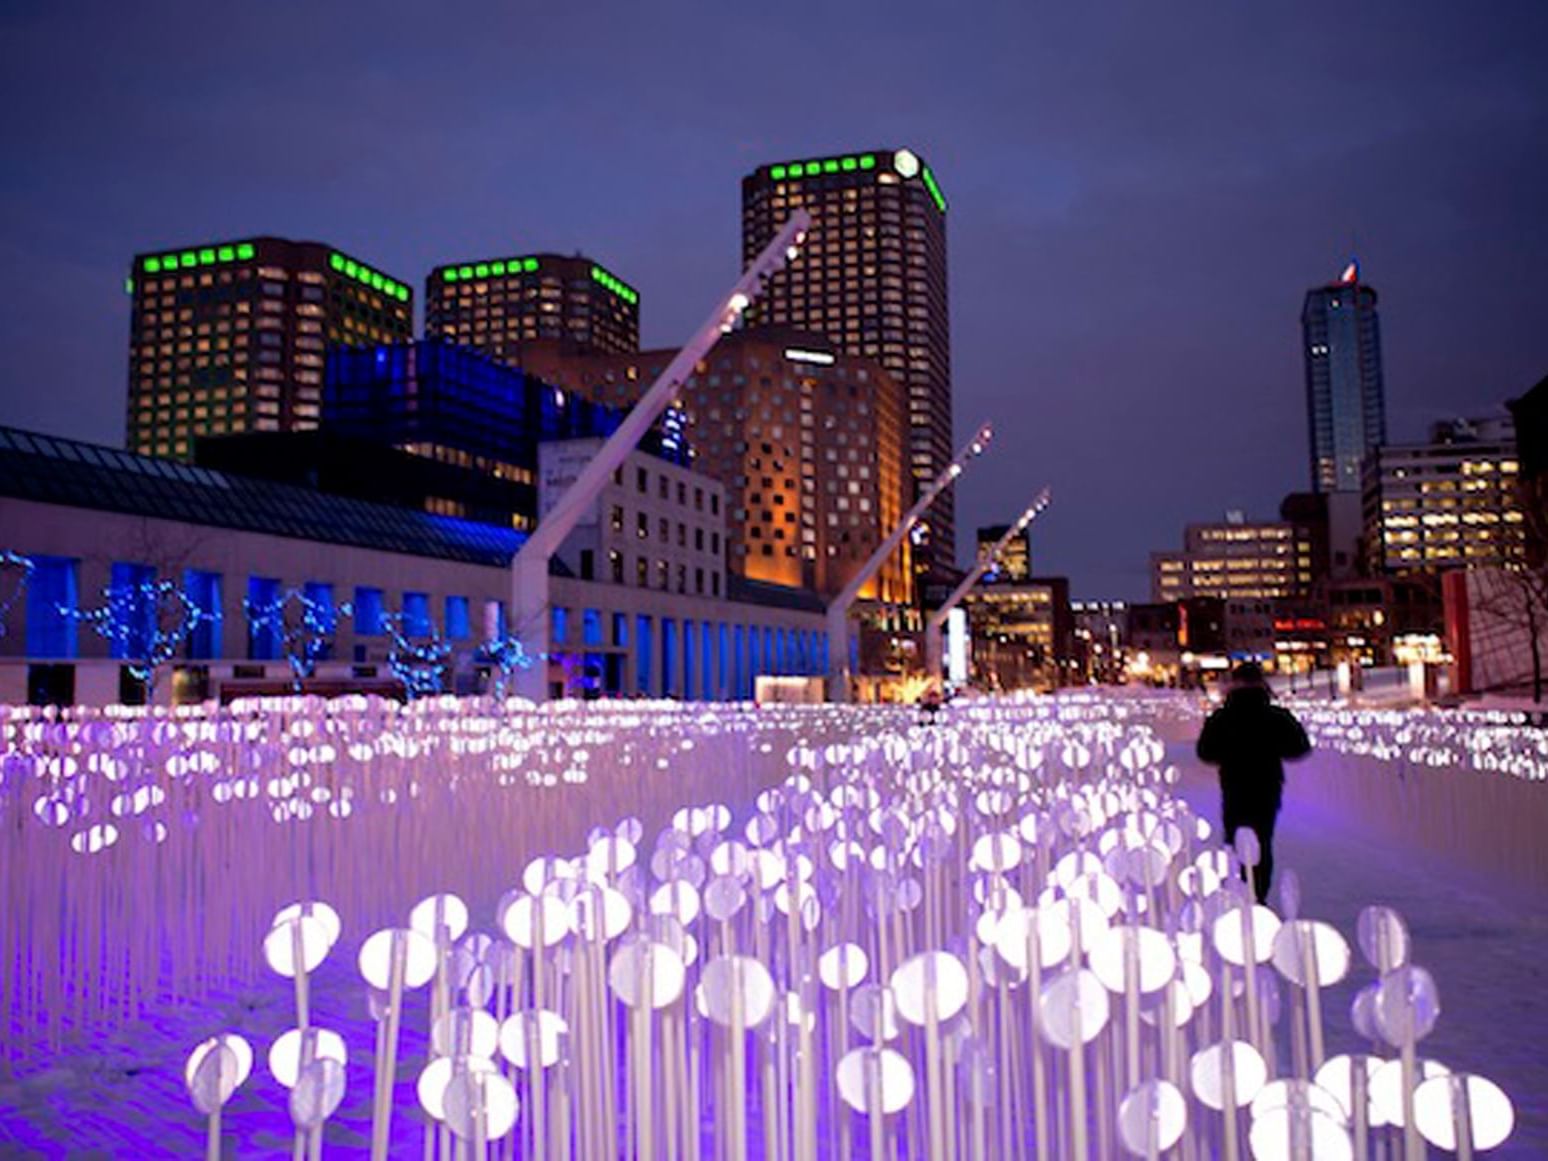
1235,559
217,582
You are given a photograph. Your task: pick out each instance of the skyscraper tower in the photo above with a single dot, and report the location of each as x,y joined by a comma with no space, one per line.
872,279
499,305
1345,400
230,337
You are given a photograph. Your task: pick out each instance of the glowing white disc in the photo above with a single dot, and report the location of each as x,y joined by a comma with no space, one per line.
679,898
531,921
1387,1087
1336,1076
480,1104
1229,935
435,911
874,1013
843,966
318,910
1438,1101
600,913
435,1076
1283,1094
609,857
304,933
1306,943
736,987
1052,927
533,1034
1152,1117
876,1077
376,955
240,1049
285,1052
1207,1071
1111,952
646,974
1074,1008
465,1032
931,981
1299,1134
996,852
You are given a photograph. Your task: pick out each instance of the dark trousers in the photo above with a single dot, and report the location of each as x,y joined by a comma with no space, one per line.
1260,819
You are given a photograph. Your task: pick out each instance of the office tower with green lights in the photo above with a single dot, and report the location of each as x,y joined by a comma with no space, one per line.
231,337
501,305
872,279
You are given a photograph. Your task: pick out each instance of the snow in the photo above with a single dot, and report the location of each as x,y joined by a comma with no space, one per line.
1482,935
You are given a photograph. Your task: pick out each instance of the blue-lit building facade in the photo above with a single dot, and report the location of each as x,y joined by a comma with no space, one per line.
1345,397
455,406
364,583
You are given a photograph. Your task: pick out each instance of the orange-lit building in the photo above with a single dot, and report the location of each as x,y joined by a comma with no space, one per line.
231,337
808,443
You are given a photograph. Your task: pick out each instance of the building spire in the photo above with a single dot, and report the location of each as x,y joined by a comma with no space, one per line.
1351,273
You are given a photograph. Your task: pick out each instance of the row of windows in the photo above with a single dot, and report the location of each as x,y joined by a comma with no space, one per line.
278,623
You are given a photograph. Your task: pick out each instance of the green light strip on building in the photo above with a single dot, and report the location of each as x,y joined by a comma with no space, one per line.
935,190
204,256
364,275
493,268
850,164
617,285
506,267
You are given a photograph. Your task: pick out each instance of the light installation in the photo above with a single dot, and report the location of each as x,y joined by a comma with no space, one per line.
815,932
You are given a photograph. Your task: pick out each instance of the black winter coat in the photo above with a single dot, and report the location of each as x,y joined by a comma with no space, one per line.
1249,738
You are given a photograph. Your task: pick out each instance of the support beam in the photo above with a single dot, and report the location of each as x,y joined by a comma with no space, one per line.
838,608
937,619
529,611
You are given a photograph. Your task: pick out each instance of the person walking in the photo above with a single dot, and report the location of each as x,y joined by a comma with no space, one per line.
1250,738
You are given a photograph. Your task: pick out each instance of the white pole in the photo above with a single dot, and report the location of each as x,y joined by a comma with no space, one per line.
529,570
933,647
838,608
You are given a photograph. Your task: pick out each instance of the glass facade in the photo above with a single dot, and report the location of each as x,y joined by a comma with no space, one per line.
1345,396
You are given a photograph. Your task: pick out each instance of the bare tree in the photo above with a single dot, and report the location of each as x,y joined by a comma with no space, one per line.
1513,599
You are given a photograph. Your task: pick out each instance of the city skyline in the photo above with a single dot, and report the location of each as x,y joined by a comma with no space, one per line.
1095,223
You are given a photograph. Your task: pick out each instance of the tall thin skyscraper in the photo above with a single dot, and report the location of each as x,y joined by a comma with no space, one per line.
1345,400
872,279
231,337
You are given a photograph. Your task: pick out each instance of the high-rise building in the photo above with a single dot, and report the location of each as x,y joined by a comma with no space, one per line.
231,337
1450,503
807,442
871,277
1345,400
498,305
1235,559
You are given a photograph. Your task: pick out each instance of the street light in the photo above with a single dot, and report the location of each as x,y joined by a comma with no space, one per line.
529,569
838,608
933,647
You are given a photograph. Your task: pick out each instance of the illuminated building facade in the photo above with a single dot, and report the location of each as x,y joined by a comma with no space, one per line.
1015,560
806,441
871,277
1450,503
1235,559
1345,397
455,407
1023,634
499,305
231,337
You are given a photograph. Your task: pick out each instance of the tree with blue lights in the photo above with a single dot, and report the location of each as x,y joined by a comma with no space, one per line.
304,627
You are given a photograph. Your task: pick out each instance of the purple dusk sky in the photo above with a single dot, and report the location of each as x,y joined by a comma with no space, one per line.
1140,195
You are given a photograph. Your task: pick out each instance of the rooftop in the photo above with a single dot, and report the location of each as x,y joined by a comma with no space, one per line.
51,470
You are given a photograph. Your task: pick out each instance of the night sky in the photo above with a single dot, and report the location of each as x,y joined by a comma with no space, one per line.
1140,195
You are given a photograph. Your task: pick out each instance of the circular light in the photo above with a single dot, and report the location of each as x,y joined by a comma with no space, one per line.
1152,1117
905,163
933,980
285,1052
881,1073
1208,1073
1489,1113
536,1034
736,988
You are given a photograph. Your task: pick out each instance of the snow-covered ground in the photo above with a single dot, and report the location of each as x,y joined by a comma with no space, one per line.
1485,941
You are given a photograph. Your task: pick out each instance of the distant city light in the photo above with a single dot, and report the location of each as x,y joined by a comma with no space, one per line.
796,355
